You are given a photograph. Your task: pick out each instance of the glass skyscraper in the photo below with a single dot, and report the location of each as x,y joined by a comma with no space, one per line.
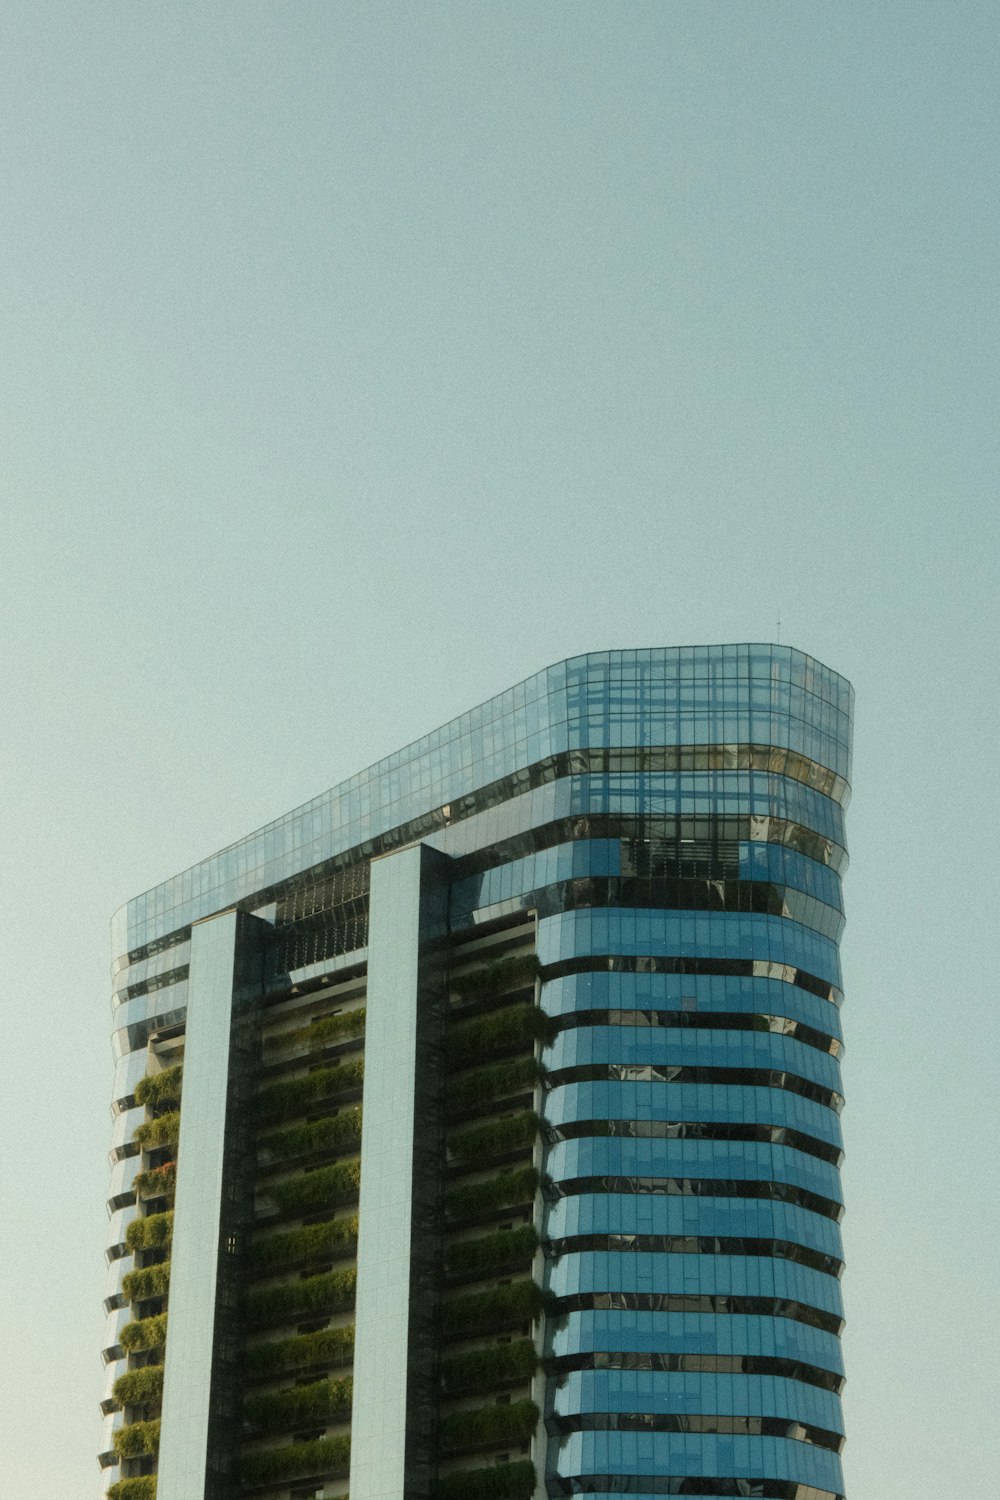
476,1125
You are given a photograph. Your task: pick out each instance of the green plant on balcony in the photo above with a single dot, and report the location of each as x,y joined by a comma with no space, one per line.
145,1333
149,1281
154,1232
160,1088
486,1368
489,1426
139,1387
493,1308
325,1031
492,1252
498,1482
339,1132
494,1137
498,977
504,1080
512,1029
470,1199
143,1487
296,1460
162,1131
302,1406
158,1182
294,1096
333,1291
138,1439
274,1252
327,1187
328,1346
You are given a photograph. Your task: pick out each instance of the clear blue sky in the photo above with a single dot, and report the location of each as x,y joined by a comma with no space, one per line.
359,359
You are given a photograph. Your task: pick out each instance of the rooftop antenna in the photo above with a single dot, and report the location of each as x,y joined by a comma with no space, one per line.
778,641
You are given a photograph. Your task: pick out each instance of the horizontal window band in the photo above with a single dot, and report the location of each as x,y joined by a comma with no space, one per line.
754,1078
694,1130
566,763
705,1020
721,897
695,1244
733,968
695,1484
697,1302
697,1187
698,1364
662,843
628,1421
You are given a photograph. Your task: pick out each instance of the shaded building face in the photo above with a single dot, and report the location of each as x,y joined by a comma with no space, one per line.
477,1124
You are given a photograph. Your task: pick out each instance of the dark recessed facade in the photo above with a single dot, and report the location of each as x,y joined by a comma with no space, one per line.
476,1125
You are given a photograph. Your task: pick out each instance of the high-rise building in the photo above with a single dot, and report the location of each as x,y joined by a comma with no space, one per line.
476,1125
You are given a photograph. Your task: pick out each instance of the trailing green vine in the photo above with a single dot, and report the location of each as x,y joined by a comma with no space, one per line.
154,1232
494,1308
295,1460
145,1333
160,1088
470,1199
301,1406
327,1187
328,1346
339,1132
139,1387
489,1425
486,1368
493,1252
162,1131
149,1281
293,1247
138,1439
333,1291
293,1096
494,1137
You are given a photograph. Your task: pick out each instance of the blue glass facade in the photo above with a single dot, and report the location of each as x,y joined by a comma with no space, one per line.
661,834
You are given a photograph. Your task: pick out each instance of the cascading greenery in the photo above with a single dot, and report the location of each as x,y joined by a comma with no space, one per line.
487,1425
474,1090
328,1346
158,1181
323,1032
484,1369
494,1137
328,1187
333,1291
139,1387
470,1199
302,1406
154,1232
497,977
160,1088
494,1308
145,1333
292,1096
138,1439
498,1482
143,1487
149,1281
494,1035
161,1131
493,1252
339,1132
294,1247
295,1460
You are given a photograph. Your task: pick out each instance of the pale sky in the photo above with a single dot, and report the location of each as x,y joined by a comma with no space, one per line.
360,359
